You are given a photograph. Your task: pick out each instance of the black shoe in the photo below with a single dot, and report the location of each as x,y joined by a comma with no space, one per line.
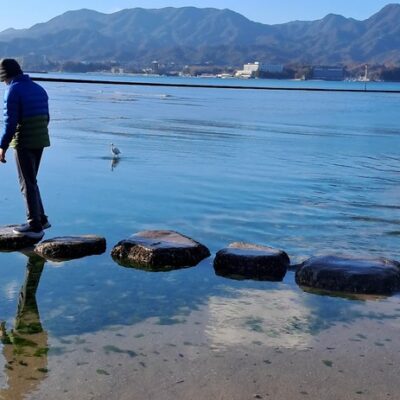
28,230
27,227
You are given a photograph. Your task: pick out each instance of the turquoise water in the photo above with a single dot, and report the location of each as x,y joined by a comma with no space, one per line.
310,173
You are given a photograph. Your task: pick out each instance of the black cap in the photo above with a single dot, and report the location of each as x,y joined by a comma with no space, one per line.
9,68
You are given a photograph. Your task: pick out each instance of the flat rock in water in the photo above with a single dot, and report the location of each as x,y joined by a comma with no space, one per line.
9,241
250,261
71,247
159,251
350,275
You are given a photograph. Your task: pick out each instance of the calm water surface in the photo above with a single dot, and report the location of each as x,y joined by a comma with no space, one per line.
311,173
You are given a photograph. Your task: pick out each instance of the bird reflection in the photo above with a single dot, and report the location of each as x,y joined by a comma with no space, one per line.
25,347
114,163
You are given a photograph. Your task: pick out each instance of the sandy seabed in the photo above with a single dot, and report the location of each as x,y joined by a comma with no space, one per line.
215,353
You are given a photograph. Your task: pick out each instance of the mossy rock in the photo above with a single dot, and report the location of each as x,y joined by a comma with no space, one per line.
9,241
350,275
159,251
71,247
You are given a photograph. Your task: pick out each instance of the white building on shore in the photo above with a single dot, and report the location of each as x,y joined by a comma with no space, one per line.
250,70
253,70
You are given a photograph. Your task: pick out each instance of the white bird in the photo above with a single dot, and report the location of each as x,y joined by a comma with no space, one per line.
115,151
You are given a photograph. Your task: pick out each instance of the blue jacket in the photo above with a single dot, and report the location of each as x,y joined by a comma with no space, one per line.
26,115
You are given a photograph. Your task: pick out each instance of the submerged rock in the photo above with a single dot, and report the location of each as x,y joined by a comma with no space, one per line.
350,275
249,261
159,251
9,241
71,247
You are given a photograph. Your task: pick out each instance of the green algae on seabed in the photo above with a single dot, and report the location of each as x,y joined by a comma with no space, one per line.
361,336
255,324
169,321
328,363
65,341
21,342
29,328
113,349
4,336
18,351
87,350
102,372
43,351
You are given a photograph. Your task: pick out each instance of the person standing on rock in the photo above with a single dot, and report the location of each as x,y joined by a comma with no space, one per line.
26,119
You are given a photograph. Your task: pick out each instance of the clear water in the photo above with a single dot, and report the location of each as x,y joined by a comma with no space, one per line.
310,173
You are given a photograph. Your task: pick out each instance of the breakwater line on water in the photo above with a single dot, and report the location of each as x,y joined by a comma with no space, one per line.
208,86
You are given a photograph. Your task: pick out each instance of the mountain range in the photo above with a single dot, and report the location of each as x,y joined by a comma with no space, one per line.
191,35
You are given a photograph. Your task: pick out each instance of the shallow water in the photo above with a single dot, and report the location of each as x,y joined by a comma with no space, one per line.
311,173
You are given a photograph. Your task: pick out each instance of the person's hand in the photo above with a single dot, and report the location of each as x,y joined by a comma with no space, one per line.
3,156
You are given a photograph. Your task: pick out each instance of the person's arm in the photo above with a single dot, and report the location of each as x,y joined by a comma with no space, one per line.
48,110
11,118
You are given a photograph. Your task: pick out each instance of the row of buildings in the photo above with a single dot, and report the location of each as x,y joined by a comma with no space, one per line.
254,70
257,69
249,71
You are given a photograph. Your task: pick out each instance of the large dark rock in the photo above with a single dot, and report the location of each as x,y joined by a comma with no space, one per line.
71,247
249,261
9,241
350,275
159,251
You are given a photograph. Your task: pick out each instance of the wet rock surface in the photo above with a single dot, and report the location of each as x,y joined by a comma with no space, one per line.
159,251
9,241
350,275
71,247
249,261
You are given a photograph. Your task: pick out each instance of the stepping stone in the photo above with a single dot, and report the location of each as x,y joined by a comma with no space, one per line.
250,261
159,251
71,247
350,275
9,241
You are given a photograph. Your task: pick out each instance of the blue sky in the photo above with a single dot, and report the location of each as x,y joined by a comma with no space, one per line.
25,13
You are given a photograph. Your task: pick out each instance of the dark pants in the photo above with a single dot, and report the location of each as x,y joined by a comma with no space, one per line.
28,162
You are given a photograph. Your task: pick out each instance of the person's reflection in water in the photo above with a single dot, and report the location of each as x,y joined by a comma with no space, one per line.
25,347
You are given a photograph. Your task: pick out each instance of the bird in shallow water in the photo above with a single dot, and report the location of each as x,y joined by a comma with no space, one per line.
115,151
